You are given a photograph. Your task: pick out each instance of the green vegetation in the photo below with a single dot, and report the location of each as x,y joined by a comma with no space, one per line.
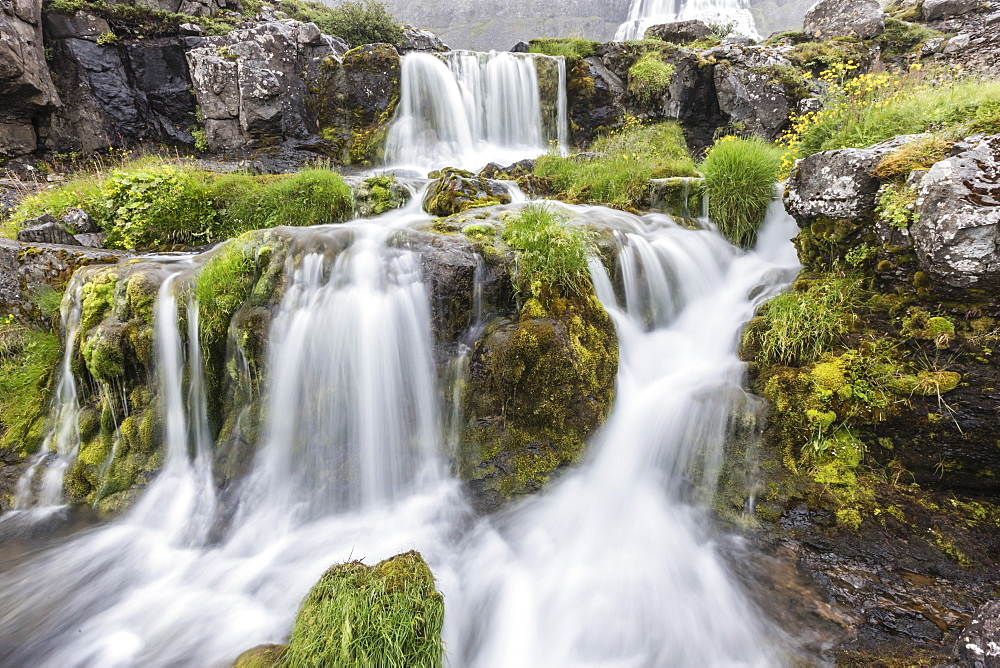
224,283
27,360
649,78
796,327
357,22
570,47
740,175
389,614
620,176
137,20
550,252
152,204
874,107
901,38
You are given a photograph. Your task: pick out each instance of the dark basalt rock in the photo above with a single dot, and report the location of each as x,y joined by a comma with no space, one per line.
680,32
48,231
826,19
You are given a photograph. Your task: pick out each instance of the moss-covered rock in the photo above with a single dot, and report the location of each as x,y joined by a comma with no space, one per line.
457,190
389,614
262,656
539,386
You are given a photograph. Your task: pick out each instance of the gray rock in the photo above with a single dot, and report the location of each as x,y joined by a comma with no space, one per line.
46,230
934,10
91,240
931,46
826,19
956,44
26,87
415,39
521,47
190,29
79,221
680,32
978,646
753,100
837,184
810,105
957,233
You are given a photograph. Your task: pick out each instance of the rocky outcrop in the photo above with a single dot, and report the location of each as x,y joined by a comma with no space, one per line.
26,88
957,231
862,19
249,84
934,10
978,646
681,32
748,93
456,190
415,39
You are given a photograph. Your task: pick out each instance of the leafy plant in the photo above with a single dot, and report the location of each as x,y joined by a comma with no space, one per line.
895,205
550,252
358,22
740,175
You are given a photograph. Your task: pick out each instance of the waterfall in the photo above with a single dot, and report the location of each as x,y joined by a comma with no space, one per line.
61,444
465,109
613,565
645,13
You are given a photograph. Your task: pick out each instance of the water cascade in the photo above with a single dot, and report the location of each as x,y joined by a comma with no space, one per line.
611,566
645,13
40,488
465,109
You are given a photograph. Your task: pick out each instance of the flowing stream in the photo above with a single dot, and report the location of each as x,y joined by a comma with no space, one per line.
645,13
613,566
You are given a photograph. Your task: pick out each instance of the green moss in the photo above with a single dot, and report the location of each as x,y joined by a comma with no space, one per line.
925,383
389,614
649,78
262,656
921,325
457,190
97,298
901,38
377,195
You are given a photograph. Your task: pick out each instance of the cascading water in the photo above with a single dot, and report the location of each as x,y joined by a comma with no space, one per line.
645,13
40,488
612,566
465,109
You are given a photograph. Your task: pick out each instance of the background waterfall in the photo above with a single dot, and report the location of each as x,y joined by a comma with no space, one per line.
465,109
645,13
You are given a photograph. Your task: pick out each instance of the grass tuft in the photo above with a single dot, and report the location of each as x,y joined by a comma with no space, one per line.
551,253
389,614
570,47
740,175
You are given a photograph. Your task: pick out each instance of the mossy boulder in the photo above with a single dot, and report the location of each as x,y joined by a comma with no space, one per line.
539,386
389,614
457,190
262,656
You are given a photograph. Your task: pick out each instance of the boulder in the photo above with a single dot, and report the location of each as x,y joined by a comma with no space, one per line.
415,39
978,646
680,32
957,232
935,10
26,87
456,190
47,231
754,100
78,221
863,19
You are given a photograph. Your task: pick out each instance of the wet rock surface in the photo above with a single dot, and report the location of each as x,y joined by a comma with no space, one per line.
978,646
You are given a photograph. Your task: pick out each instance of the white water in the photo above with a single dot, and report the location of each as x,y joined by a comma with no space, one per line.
469,108
645,13
612,567
40,488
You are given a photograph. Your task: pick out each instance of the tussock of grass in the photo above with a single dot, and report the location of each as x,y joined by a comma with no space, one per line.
385,615
920,154
551,253
740,175
799,326
571,47
649,78
620,177
27,360
224,283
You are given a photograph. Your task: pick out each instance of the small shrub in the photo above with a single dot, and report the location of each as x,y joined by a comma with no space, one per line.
895,205
799,326
570,47
155,206
551,253
740,175
649,78
358,22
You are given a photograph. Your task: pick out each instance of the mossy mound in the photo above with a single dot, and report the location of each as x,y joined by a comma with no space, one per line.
389,614
539,386
457,190
262,656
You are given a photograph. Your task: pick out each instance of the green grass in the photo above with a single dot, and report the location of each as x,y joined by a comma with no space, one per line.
901,38
570,47
357,22
878,107
740,175
799,326
377,616
27,360
550,252
649,78
620,178
224,283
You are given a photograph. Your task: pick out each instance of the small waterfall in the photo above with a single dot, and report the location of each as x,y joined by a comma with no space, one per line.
465,109
645,13
62,443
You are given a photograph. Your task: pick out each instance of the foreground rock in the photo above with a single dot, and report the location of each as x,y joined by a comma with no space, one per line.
978,645
862,19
